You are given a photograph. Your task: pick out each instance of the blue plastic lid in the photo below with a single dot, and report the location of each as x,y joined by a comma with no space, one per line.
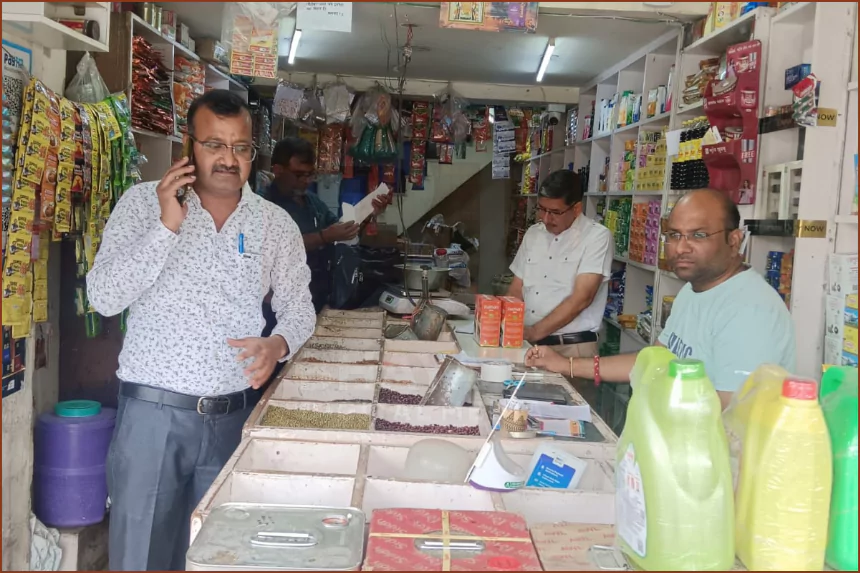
77,409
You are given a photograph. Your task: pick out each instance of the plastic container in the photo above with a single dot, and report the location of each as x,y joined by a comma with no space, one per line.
674,507
783,496
839,404
69,480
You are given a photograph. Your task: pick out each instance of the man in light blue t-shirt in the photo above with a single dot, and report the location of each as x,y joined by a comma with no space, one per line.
726,315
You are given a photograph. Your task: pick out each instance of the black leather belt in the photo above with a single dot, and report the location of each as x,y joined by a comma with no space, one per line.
203,405
570,338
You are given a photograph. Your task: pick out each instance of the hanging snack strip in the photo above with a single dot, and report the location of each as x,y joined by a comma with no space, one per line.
189,78
421,113
151,104
330,151
62,185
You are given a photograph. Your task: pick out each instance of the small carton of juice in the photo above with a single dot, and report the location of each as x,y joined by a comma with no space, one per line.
488,319
513,321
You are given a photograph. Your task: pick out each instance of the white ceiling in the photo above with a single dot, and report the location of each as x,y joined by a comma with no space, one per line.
584,46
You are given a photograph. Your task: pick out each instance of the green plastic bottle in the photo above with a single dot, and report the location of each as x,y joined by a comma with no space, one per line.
674,501
839,404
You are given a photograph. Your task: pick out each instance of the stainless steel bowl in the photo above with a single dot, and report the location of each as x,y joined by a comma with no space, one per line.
436,277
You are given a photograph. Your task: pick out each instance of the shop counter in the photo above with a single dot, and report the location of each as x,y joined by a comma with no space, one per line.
372,476
326,433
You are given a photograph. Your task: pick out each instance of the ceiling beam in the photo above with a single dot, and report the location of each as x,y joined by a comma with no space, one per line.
475,92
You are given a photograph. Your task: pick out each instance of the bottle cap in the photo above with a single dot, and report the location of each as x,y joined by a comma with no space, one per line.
77,409
800,389
687,369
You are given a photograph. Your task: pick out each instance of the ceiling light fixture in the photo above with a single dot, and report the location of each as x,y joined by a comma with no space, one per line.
544,63
294,47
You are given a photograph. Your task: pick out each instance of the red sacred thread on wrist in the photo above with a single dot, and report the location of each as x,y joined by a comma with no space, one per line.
597,370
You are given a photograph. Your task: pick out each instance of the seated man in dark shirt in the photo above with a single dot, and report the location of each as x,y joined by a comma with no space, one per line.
293,166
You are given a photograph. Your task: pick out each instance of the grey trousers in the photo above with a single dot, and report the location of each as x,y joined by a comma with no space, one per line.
160,464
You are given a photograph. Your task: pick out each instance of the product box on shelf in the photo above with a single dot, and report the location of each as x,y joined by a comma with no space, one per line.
832,350
796,73
842,274
849,344
488,319
513,321
434,540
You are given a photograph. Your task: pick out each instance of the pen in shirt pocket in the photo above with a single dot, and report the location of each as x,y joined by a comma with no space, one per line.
242,251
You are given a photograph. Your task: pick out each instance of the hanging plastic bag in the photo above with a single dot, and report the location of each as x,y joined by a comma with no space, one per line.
87,86
337,101
288,101
452,115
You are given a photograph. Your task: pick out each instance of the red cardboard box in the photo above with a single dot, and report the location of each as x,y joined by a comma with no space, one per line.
513,321
488,319
396,537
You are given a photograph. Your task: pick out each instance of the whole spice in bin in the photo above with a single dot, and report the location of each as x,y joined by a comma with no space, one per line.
387,396
386,426
151,102
441,540
289,418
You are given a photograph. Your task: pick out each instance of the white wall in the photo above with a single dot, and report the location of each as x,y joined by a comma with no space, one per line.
441,181
50,66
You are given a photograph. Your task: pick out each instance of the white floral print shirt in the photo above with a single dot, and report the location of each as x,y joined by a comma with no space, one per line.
188,292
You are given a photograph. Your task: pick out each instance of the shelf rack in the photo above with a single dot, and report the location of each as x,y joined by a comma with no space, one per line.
37,23
641,71
161,150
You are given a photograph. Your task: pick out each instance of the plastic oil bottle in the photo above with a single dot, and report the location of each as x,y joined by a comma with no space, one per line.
674,502
839,403
783,496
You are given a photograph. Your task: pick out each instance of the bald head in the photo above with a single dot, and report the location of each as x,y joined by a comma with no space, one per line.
715,202
703,240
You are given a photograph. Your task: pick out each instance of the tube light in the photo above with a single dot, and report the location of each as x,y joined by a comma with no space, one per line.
294,47
544,63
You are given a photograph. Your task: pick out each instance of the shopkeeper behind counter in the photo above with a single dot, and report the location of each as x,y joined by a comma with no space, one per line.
562,269
726,315
293,167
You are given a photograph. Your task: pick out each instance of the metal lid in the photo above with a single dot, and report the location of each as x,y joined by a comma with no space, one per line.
279,538
77,409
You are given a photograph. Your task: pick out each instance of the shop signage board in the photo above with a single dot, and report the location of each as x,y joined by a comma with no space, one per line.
490,16
324,16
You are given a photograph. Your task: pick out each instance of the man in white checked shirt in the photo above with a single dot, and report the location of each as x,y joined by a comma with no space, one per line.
194,276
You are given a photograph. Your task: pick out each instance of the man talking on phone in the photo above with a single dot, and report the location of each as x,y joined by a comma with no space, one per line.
193,274
293,165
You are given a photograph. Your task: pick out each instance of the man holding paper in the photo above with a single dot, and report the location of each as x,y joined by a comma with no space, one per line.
293,165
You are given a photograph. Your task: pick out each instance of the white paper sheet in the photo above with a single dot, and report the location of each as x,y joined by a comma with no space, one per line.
364,208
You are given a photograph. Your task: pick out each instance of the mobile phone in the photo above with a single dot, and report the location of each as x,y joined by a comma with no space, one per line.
187,151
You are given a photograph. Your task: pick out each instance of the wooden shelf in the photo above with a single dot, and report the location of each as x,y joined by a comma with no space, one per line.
630,332
43,31
717,42
800,13
141,27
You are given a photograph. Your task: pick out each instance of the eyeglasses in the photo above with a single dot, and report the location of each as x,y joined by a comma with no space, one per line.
674,237
554,212
242,152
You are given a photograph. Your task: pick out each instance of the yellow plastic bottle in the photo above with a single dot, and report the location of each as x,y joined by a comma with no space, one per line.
674,499
783,497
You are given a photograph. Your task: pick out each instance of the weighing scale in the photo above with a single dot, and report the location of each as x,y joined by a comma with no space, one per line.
395,300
